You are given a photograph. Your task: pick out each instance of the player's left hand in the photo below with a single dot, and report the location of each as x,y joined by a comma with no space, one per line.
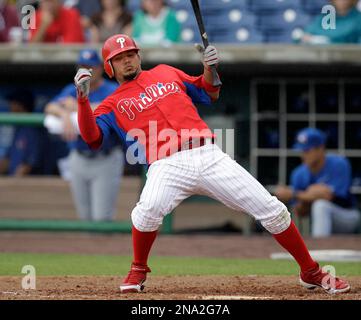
82,82
210,55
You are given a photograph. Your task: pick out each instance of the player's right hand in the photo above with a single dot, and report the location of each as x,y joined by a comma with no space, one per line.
82,82
210,55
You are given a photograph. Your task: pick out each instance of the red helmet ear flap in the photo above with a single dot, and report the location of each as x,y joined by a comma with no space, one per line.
109,68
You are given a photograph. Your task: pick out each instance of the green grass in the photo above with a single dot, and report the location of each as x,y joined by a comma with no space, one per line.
75,264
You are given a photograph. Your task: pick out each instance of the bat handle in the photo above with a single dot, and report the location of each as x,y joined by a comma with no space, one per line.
216,81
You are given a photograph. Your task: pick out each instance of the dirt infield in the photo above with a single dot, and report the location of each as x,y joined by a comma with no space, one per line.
180,288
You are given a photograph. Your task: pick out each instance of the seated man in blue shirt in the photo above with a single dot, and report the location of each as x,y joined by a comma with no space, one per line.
321,187
94,174
24,154
347,29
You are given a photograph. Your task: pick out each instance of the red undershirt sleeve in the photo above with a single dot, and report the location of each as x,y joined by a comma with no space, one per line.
89,130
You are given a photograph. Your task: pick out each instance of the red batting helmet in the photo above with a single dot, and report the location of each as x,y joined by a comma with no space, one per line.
113,46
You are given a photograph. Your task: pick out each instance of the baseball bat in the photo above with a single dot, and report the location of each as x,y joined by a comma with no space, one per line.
197,12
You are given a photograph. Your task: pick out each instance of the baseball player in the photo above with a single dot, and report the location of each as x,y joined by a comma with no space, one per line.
156,107
95,175
320,187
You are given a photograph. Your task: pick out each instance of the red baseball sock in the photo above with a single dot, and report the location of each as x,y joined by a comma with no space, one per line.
142,243
291,240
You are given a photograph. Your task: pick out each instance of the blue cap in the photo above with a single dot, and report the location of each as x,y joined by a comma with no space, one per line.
309,138
89,57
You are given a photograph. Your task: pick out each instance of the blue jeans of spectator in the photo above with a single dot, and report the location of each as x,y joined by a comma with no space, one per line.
328,218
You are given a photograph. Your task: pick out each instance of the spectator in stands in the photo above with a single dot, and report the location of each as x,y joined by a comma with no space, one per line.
24,155
94,175
156,24
112,19
321,187
9,20
348,25
87,8
55,23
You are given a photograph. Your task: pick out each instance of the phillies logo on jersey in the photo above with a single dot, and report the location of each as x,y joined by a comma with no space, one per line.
146,99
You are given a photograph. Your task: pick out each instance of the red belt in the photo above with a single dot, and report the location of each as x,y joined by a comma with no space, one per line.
196,143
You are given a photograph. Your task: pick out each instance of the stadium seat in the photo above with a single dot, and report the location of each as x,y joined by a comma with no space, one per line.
281,21
241,35
233,25
190,34
314,7
287,36
180,4
185,18
230,20
274,5
210,6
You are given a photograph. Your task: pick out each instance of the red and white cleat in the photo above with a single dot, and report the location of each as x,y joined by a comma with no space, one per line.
135,279
318,278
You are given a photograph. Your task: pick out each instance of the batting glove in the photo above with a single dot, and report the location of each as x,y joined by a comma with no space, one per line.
210,55
82,82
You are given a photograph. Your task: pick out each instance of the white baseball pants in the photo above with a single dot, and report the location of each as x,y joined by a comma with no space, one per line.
209,171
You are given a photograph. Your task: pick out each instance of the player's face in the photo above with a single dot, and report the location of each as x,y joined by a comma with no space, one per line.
126,65
313,156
